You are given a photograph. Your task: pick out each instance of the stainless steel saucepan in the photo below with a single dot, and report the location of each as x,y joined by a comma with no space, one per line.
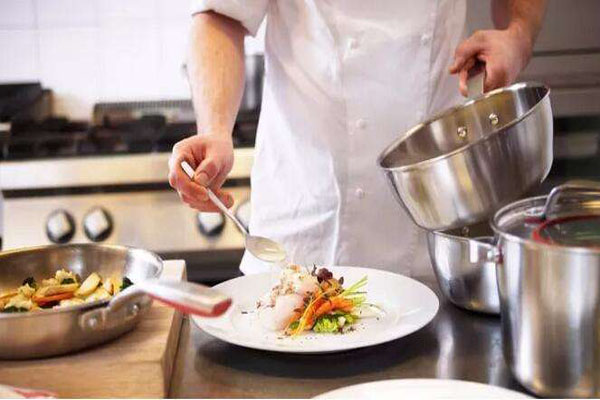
465,276
550,289
458,168
57,331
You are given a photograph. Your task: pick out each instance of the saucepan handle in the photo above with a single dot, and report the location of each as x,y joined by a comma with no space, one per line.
579,189
187,297
476,80
483,249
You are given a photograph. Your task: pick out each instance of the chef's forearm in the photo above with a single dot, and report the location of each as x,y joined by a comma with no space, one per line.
216,71
523,15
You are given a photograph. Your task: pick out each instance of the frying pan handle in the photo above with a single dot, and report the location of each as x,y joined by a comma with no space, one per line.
187,297
476,80
577,189
126,306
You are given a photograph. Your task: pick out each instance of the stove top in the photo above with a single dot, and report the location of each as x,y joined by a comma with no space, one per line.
60,137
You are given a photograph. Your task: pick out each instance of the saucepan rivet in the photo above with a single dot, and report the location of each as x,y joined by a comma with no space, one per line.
461,132
133,311
493,119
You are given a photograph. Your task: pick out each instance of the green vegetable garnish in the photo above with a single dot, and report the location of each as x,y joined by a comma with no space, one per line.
353,290
126,283
326,324
14,309
30,281
66,281
333,323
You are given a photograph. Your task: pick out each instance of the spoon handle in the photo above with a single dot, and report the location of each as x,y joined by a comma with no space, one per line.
187,168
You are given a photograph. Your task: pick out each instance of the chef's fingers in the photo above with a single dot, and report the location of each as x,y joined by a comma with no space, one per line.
223,195
467,50
208,206
204,206
496,75
207,171
219,180
179,154
179,180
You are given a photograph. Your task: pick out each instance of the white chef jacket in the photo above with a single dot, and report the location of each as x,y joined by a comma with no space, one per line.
344,78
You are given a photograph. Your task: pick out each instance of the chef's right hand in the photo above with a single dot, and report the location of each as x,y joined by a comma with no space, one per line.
211,156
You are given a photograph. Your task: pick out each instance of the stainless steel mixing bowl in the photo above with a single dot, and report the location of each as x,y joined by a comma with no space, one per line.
58,331
459,167
460,262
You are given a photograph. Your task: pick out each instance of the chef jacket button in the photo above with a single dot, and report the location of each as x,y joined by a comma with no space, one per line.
361,123
352,43
425,38
359,193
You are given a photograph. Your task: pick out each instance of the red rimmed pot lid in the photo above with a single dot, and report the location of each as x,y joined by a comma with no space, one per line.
575,230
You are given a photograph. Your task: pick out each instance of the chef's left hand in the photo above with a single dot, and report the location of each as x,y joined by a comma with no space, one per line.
504,52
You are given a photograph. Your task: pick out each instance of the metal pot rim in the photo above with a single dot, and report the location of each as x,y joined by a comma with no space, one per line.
78,307
532,243
424,163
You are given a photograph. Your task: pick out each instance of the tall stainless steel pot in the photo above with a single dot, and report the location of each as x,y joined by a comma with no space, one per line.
460,167
549,296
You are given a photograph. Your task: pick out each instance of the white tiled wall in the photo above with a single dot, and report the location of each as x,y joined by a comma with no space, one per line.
97,50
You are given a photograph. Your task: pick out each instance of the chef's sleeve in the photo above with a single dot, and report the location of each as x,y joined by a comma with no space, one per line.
250,13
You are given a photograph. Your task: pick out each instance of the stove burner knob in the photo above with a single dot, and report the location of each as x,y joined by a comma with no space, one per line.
60,226
97,224
210,224
243,213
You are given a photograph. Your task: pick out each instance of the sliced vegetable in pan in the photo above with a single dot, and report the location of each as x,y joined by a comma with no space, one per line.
64,289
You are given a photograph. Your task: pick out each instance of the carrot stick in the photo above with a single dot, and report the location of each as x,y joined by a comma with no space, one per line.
326,307
40,301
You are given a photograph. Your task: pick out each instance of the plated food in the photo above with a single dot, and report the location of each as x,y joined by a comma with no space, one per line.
314,300
64,289
403,305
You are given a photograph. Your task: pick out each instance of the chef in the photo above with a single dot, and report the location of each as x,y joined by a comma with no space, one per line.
343,79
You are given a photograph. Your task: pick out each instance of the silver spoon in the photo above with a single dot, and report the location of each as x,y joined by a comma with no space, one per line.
262,248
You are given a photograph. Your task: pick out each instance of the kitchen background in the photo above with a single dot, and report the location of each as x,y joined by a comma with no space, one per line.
89,51
115,72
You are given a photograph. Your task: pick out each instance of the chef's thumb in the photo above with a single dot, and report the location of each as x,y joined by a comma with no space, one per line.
206,172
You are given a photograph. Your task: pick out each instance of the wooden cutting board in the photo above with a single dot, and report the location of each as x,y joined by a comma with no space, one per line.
138,364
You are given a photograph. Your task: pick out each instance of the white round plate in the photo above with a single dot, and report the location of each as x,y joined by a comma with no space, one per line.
422,389
408,305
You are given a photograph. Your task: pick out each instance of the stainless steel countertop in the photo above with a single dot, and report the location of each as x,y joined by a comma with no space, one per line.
456,345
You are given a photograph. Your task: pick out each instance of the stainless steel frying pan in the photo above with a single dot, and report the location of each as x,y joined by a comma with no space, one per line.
57,331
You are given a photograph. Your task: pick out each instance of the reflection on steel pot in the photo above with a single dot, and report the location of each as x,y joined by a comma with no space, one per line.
550,296
460,167
465,275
